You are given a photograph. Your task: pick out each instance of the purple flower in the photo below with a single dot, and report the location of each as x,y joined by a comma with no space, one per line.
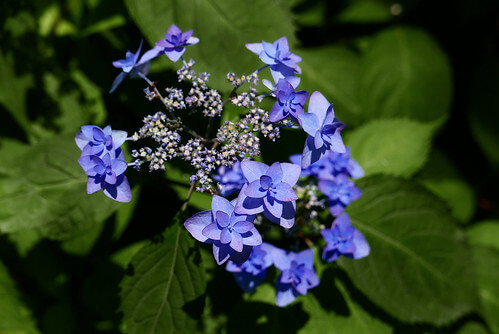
297,274
106,172
269,190
282,62
231,179
252,272
340,192
323,129
344,239
173,45
233,235
129,66
289,103
93,140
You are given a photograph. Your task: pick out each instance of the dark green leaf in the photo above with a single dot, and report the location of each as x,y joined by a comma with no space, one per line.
365,11
487,273
391,146
163,294
441,176
406,74
485,233
223,27
419,269
335,72
483,106
354,320
15,318
44,188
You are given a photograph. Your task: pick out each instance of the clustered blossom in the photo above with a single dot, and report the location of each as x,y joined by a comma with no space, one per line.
259,190
103,161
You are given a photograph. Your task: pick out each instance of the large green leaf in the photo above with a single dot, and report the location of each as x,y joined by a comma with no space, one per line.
44,188
334,71
163,294
406,74
15,318
419,269
442,177
354,319
392,146
223,27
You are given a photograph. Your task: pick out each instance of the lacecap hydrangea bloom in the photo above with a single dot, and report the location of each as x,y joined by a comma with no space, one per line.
232,235
344,239
231,149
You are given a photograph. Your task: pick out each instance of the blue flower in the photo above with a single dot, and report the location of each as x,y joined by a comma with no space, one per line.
344,239
289,103
252,272
173,45
269,190
331,165
129,66
106,173
93,140
323,129
297,274
230,179
340,192
233,235
282,62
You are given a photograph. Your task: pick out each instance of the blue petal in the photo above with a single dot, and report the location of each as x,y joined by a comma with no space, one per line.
237,242
219,203
256,48
121,191
93,185
248,205
309,122
254,190
197,223
318,105
290,172
252,238
284,192
225,236
285,294
252,170
362,248
221,252
117,81
273,206
210,231
275,172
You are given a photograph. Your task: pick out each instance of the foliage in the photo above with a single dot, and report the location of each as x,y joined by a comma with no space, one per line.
416,84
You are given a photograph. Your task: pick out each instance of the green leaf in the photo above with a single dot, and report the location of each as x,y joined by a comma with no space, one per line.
473,327
44,188
334,71
483,104
419,269
353,319
15,318
487,275
406,74
164,292
441,177
365,11
223,27
485,233
13,88
391,146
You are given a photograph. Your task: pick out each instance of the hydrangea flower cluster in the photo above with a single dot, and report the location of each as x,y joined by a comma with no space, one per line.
286,194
